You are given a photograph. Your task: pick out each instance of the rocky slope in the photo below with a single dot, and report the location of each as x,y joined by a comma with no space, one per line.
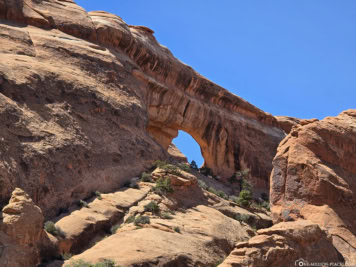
183,226
314,178
88,101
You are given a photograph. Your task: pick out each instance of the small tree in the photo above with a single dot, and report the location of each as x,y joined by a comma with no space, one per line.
241,178
245,198
152,207
194,165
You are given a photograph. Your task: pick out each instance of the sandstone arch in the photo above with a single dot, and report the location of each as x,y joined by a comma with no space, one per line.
83,96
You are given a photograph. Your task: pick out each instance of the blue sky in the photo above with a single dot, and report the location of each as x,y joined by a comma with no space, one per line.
288,57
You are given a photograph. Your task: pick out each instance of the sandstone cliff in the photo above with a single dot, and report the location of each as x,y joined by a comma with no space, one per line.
314,178
87,101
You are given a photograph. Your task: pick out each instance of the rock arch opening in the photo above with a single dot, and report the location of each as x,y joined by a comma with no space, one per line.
189,147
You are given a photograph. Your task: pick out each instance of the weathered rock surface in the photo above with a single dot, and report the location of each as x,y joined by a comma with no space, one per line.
285,244
314,178
87,101
189,229
286,123
97,218
21,232
176,154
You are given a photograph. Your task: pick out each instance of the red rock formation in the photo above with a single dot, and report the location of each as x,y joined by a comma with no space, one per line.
79,93
314,177
232,133
285,244
21,232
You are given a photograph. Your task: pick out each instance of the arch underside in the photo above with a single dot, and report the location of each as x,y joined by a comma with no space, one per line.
229,141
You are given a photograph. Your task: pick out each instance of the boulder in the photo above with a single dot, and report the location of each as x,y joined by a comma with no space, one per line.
21,231
285,244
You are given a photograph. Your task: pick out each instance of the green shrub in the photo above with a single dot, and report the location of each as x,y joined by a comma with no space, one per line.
152,207
146,177
233,198
163,186
114,228
130,219
242,218
81,263
176,229
167,167
265,205
243,173
212,190
245,198
142,220
246,185
184,167
222,194
193,165
166,215
82,203
66,256
202,184
98,195
51,228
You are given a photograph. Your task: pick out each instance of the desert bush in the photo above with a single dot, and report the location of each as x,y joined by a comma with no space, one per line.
245,198
51,228
81,263
239,176
246,185
167,167
98,195
142,220
265,205
202,184
114,228
212,190
152,207
242,218
130,219
193,165
222,194
146,177
66,256
166,215
176,229
233,198
163,186
184,167
83,203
